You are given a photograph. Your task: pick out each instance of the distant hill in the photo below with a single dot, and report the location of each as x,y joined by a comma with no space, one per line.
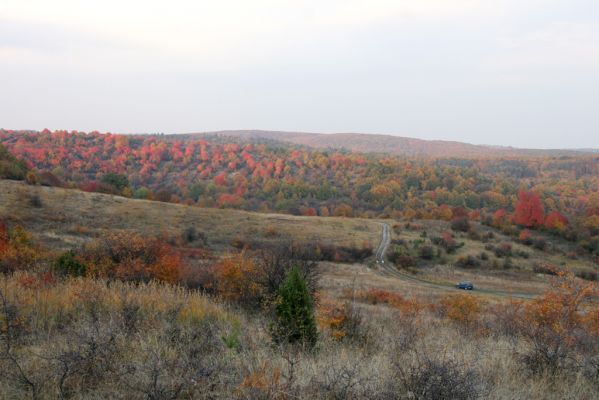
396,145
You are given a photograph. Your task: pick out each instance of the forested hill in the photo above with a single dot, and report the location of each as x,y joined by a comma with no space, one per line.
395,145
299,180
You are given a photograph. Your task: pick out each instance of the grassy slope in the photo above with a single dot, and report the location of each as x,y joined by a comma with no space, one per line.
69,217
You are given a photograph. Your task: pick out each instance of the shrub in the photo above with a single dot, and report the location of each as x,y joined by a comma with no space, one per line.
431,379
129,256
525,237
474,235
460,224
507,263
17,251
68,265
35,201
191,235
31,178
522,254
446,241
330,252
237,279
427,252
539,244
399,242
503,250
506,317
295,321
468,261
487,237
551,324
343,321
462,309
353,254
401,259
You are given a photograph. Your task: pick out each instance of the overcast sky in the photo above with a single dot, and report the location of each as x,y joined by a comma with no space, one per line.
507,72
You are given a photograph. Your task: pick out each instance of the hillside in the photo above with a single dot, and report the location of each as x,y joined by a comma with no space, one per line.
66,218
390,144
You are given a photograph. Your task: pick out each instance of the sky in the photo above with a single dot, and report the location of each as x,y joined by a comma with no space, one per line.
523,73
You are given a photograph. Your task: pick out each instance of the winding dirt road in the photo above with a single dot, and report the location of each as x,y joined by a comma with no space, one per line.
389,269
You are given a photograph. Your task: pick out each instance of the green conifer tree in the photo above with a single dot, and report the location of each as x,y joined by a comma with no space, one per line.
295,311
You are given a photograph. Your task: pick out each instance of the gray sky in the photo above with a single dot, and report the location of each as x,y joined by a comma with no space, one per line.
508,72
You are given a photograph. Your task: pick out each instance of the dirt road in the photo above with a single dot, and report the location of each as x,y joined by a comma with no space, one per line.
389,269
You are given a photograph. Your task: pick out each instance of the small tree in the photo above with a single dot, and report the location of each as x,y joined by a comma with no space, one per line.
119,182
67,264
295,311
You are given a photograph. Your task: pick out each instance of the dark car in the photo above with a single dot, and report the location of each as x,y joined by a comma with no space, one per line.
465,285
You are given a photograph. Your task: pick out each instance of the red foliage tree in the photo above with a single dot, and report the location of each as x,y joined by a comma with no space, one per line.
221,179
529,210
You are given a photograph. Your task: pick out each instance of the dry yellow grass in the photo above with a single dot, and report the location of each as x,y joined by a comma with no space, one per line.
69,217
63,319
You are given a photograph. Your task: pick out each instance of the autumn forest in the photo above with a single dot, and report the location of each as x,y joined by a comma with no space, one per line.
558,194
